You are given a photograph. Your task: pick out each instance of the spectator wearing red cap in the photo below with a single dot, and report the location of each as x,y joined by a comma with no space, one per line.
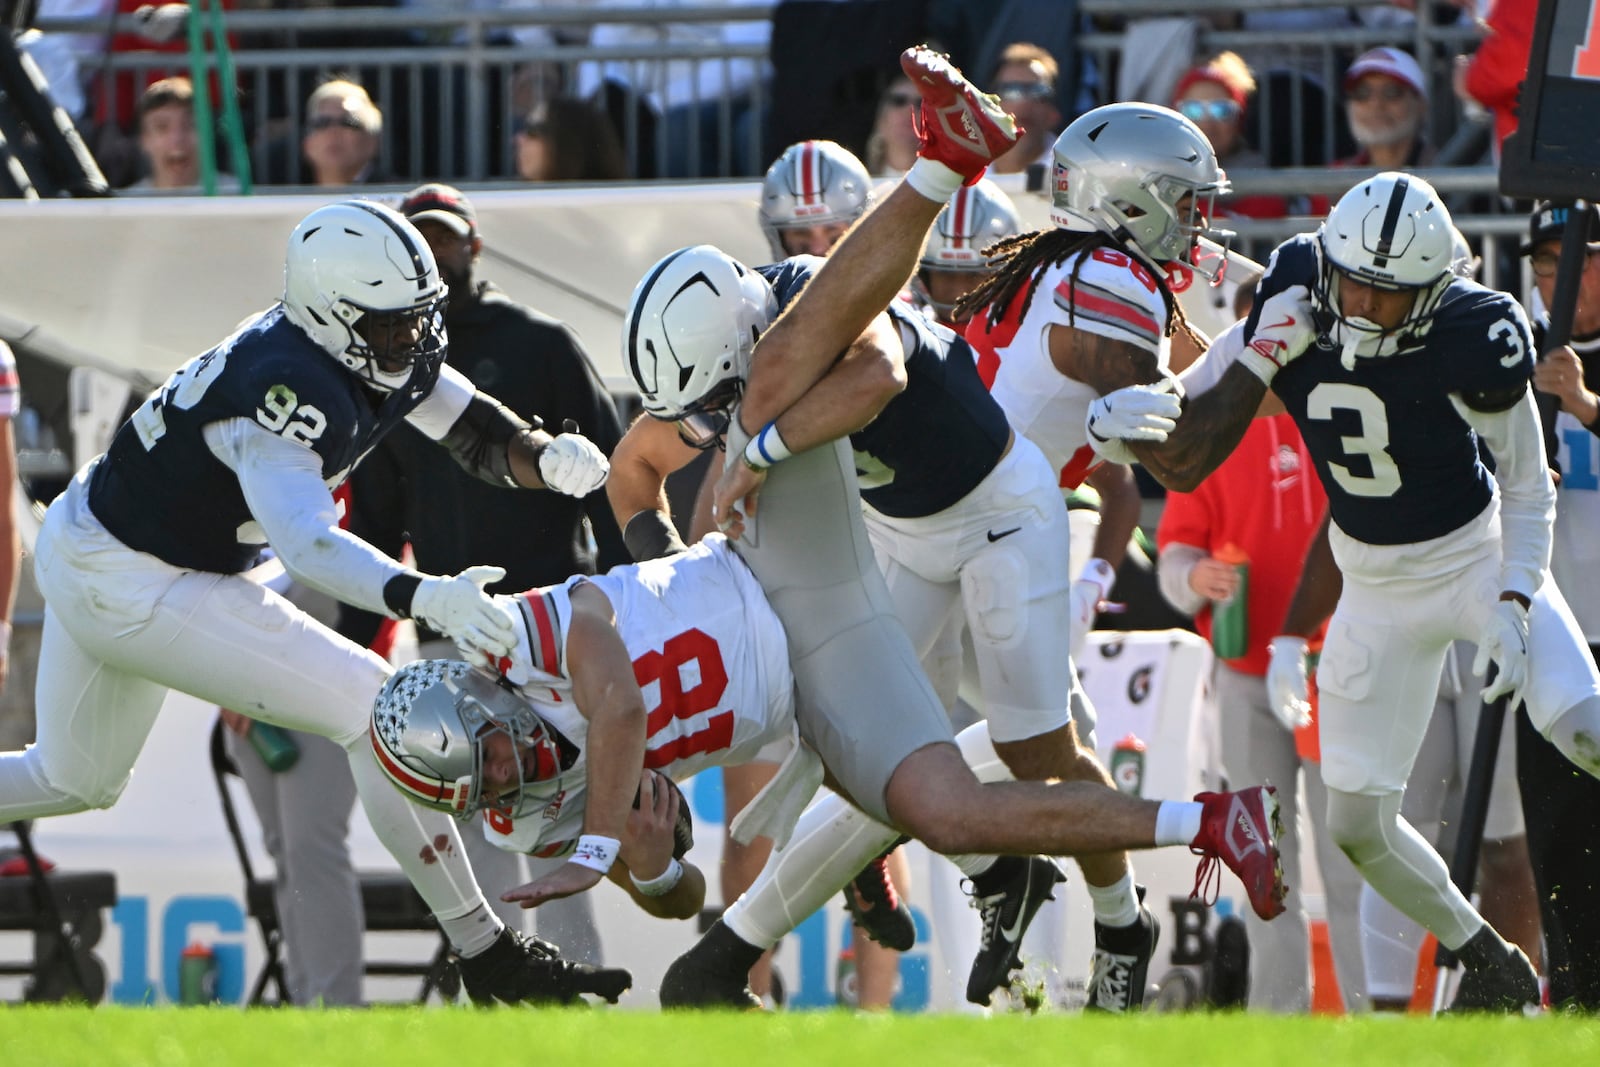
1213,96
1386,101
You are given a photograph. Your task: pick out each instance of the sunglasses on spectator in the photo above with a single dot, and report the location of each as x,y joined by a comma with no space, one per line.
328,122
1388,93
1544,263
902,98
1024,91
1215,110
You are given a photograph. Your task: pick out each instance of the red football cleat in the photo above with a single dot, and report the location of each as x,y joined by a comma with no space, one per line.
1241,830
959,126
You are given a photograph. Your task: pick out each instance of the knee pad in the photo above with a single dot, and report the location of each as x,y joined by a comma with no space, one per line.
994,587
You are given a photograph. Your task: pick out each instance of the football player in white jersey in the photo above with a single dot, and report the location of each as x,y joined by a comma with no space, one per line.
142,558
687,643
862,700
1396,372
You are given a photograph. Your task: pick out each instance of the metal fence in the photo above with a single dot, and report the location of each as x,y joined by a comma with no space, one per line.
686,101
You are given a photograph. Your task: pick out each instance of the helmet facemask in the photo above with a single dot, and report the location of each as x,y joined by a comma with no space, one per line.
704,424
538,756
1167,230
388,345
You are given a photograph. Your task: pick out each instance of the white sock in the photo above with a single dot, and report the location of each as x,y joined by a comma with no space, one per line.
831,843
1116,904
1177,822
934,180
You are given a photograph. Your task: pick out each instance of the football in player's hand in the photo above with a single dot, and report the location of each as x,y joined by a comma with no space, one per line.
683,832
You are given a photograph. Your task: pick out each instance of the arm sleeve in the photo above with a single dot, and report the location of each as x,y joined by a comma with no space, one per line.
1528,496
1208,370
441,408
1177,562
282,484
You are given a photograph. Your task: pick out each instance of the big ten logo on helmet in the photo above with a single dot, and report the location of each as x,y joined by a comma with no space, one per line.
1061,180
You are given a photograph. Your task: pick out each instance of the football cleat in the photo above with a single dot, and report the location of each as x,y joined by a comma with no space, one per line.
715,973
1120,969
1506,985
1241,830
523,970
877,909
959,126
1027,883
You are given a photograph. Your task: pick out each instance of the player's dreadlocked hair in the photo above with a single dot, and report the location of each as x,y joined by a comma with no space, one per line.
1023,259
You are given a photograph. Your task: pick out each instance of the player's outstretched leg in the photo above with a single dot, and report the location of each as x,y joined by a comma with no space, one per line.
1120,968
1241,830
715,973
962,128
519,969
876,907
1007,895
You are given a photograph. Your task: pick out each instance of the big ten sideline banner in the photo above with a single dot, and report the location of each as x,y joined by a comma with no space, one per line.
141,284
179,882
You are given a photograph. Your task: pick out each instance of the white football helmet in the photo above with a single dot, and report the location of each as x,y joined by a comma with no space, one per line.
691,325
811,184
362,282
429,725
975,218
1122,169
1390,232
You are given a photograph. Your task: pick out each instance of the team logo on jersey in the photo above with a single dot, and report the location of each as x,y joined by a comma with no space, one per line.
552,810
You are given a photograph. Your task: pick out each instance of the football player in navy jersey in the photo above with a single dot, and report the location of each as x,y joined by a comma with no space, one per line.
1396,371
141,559
712,358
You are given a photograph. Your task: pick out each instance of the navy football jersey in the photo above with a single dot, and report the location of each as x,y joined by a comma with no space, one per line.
932,444
1398,462
160,490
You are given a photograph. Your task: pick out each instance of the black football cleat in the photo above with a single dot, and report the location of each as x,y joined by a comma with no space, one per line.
1120,969
877,909
715,973
521,970
1007,896
1500,981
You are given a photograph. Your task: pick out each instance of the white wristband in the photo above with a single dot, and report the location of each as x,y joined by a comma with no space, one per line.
661,884
595,852
934,180
1100,573
766,448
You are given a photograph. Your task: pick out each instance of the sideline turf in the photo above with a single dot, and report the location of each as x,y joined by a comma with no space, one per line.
406,1037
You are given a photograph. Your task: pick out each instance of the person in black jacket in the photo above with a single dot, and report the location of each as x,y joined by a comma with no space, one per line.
401,494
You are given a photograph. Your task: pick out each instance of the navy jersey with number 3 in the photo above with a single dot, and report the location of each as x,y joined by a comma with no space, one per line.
160,490
1399,463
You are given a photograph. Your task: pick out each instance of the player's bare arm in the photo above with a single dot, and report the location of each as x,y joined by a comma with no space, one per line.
871,373
1119,511
605,693
865,271
1317,593
647,854
1103,363
1208,431
637,487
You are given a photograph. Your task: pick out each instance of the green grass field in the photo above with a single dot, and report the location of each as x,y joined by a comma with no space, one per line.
218,1037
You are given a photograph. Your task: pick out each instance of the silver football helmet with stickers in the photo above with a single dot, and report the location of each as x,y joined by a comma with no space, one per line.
1390,232
975,218
362,282
691,326
812,184
1125,169
431,723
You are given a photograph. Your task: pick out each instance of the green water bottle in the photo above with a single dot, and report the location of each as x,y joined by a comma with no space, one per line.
1230,619
274,745
1127,766
197,975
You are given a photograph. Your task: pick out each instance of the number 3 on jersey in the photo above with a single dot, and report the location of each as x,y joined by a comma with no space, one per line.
686,679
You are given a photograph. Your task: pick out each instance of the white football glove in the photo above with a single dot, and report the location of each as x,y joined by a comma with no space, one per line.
1504,644
573,464
1283,331
1288,691
1086,595
1133,413
459,608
